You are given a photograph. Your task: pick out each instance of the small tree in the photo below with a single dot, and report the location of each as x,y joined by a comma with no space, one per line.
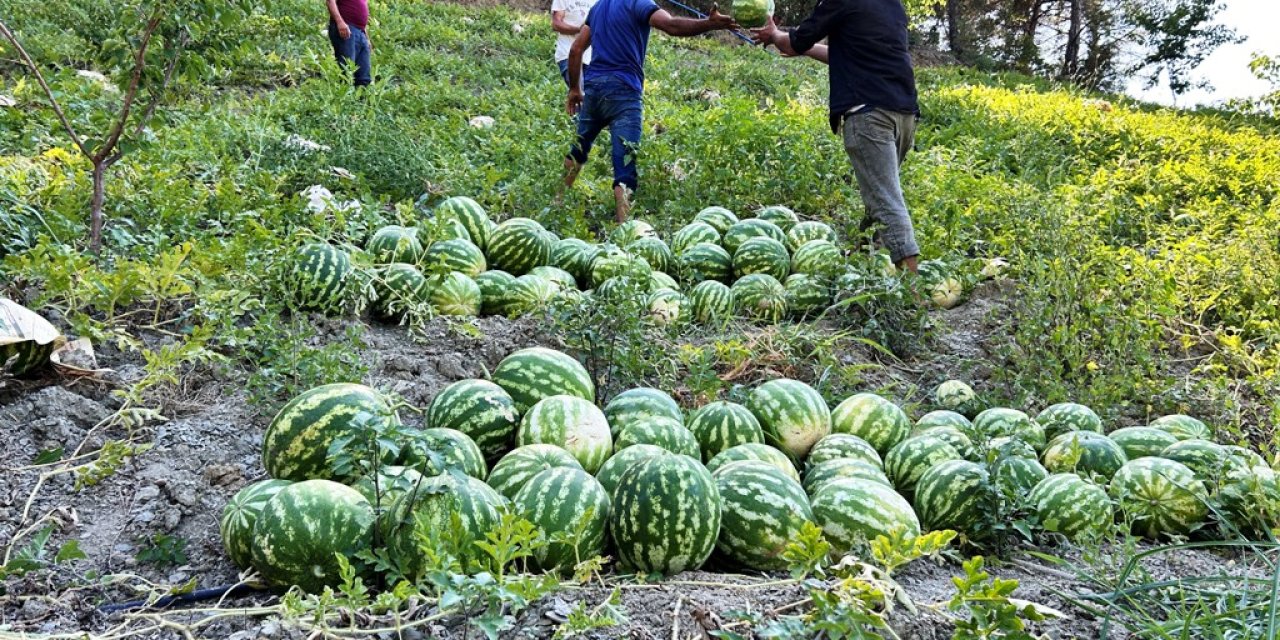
143,46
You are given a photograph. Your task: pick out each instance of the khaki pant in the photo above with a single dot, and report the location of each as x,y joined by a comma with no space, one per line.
877,142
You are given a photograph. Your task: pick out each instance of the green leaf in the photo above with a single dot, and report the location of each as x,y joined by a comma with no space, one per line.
49,456
69,551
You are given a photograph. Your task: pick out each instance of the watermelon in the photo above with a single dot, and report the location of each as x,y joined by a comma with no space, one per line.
522,463
1099,455
661,432
954,437
668,307
747,229
617,464
852,511
764,511
27,339
1183,427
454,255
806,294
571,510
762,255
1010,447
318,277
1067,504
792,415
872,418
518,245
760,296
555,275
818,258
692,234
532,374
705,261
957,396
239,516
654,251
569,422
1142,442
1209,460
754,451
392,482
435,451
720,425
1243,457
1068,416
631,231
711,302
616,263
635,405
471,215
909,459
398,287
1248,503
844,446
944,418
803,232
718,218
528,294
429,513
779,215
574,256
480,409
296,444
394,243
751,14
666,515
495,289
437,229
820,474
1160,497
454,294
659,280
953,495
303,528
1018,476
1001,422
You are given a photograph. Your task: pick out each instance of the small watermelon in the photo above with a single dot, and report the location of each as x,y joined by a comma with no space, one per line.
398,288
706,261
692,234
806,295
661,432
654,251
792,415
1003,422
454,294
762,255
471,215
820,474
668,307
1068,416
819,258
495,289
572,423
957,396
518,245
1018,476
844,446
631,231
711,302
1098,454
454,255
747,229
909,459
872,418
435,451
721,425
803,232
318,277
1209,460
944,418
953,495
532,374
754,451
239,516
522,463
430,513
529,293
779,215
394,243
480,409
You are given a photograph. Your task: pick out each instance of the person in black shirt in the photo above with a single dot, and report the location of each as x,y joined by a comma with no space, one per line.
873,100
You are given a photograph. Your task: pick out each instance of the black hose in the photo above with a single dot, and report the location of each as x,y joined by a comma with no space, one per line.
227,590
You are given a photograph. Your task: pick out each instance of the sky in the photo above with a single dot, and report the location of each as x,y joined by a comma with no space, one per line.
1228,67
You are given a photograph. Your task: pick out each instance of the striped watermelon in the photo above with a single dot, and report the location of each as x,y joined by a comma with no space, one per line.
705,261
455,255
661,432
818,258
654,251
435,451
944,418
1098,454
844,446
1018,476
555,275
1142,442
659,280
957,396
1004,422
754,451
1209,460
398,288
666,515
711,302
792,415
562,502
472,216
518,245
318,277
822,473
763,512
692,234
429,514
954,437
1248,503
572,423
27,340
532,374
296,444
454,294
574,256
1011,447
1160,497
1068,416
803,232
753,228
624,289
617,263
953,495
762,255
668,307
760,296
522,463
436,229
720,425
852,511
635,405
1243,457
779,215
529,293
394,243
909,459
239,516
393,481
631,231
1078,509
617,464
718,218
872,418
494,291
1183,427
806,295
304,527
480,409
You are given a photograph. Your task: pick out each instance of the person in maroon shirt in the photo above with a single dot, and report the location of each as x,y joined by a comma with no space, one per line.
348,21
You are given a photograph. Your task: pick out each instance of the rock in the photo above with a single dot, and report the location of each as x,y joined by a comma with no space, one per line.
269,629
34,609
223,475
147,493
183,494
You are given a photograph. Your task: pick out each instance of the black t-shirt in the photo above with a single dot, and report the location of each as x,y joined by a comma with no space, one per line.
869,57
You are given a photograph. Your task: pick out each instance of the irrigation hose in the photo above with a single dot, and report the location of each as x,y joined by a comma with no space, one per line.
224,591
746,38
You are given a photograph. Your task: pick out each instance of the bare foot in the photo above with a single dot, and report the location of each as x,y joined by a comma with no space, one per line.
622,198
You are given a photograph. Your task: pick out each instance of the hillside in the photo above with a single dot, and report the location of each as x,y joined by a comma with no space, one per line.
1142,281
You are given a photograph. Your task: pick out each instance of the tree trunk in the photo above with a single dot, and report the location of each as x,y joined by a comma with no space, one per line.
1071,57
953,29
95,206
1028,52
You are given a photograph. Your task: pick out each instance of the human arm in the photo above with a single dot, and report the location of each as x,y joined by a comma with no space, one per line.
803,40
343,30
561,26
580,45
684,27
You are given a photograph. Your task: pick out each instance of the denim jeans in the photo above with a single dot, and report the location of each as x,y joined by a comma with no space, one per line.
564,71
612,103
354,49
877,142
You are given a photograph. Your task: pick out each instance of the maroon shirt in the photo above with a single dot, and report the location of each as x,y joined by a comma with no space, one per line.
354,12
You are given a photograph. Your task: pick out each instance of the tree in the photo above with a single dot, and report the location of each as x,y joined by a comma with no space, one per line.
1177,36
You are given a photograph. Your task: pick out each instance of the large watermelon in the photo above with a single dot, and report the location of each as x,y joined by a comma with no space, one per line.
454,294
571,423
495,287
1068,416
1004,422
654,251
852,511
909,459
747,229
1064,503
1209,460
1161,497
611,471
516,468
819,258
434,451
318,277
822,473
480,409
1183,427
712,302
666,515
518,245
562,503
705,261
754,451
718,218
803,232
239,516
429,513
953,495
394,243
792,415
694,233
1142,442
1249,502
659,431
721,425
532,374
304,527
760,296
574,256
398,287
1098,454
957,396
762,255
872,418
471,215
637,404
296,444
806,295
454,255
779,215
530,293
844,446
763,512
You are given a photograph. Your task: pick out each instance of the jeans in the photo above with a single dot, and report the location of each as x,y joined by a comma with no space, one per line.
612,103
877,142
354,49
564,71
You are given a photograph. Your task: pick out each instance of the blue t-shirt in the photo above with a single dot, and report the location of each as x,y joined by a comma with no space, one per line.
619,37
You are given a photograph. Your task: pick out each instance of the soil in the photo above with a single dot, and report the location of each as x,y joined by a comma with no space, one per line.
208,448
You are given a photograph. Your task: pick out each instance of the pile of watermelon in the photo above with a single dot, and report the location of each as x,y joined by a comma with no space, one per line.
664,488
460,262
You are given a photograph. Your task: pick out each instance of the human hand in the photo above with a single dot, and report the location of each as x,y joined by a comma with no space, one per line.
718,20
764,35
344,31
573,104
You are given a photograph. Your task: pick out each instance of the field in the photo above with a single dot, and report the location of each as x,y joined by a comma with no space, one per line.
1142,255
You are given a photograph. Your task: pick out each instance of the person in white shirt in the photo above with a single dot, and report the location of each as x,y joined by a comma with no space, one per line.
567,18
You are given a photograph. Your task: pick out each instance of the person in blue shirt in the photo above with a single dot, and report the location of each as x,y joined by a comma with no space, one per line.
617,31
